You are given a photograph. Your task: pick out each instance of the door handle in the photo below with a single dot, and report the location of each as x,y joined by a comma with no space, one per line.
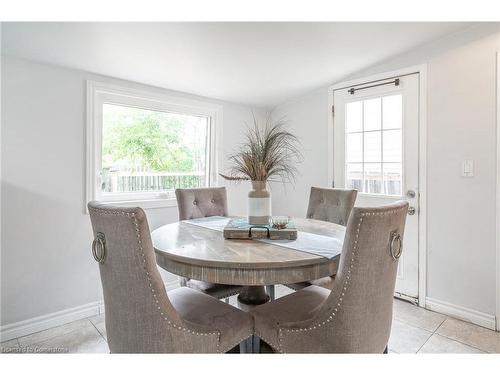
411,210
411,194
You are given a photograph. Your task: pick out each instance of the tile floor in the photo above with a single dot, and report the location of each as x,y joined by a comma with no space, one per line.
414,330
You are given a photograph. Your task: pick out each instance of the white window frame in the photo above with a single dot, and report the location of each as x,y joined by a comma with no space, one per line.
99,93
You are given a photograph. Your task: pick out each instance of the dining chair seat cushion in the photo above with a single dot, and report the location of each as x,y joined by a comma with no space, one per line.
296,307
324,282
198,308
215,290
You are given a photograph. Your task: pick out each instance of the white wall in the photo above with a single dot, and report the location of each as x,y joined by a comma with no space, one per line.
46,264
46,260
461,125
306,118
461,214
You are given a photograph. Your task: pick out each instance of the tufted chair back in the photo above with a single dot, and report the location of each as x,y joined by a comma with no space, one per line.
333,205
139,315
201,202
357,315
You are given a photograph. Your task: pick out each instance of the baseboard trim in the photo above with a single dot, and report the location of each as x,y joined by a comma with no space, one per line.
460,312
40,323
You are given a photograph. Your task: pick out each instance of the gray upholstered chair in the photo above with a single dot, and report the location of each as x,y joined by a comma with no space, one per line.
203,202
140,316
356,315
333,205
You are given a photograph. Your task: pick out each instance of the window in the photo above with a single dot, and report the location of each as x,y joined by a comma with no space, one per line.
373,150
141,146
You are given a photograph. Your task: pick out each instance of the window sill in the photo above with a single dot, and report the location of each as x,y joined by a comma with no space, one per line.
144,203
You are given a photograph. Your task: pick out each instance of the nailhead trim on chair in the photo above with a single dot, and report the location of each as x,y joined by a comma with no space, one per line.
134,220
346,284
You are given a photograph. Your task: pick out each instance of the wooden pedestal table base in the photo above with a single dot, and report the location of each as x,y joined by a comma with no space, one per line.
252,296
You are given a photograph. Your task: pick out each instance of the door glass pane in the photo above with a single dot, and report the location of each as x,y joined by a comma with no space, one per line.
354,117
373,178
392,178
354,176
392,146
354,148
372,147
372,114
393,111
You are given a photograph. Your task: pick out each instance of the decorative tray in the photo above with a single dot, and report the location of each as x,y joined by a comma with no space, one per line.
240,229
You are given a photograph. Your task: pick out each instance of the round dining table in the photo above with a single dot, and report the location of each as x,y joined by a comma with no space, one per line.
204,254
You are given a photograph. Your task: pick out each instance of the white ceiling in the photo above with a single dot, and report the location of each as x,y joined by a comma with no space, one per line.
258,64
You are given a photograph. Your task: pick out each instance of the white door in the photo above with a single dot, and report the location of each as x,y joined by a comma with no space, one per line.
376,132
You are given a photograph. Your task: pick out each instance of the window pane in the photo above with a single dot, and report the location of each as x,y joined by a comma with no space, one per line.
392,146
354,176
373,147
372,114
392,178
373,178
354,148
152,151
393,111
354,117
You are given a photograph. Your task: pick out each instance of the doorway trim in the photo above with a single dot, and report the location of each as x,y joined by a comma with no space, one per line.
422,162
497,315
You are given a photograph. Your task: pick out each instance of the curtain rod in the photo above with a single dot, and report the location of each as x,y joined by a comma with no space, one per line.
352,90
374,81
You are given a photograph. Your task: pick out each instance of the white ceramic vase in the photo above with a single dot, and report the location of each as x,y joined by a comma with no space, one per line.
259,204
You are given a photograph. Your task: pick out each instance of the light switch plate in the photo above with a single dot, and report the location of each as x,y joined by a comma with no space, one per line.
468,168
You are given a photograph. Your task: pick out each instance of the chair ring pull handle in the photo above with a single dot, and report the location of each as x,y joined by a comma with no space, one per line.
99,248
396,238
